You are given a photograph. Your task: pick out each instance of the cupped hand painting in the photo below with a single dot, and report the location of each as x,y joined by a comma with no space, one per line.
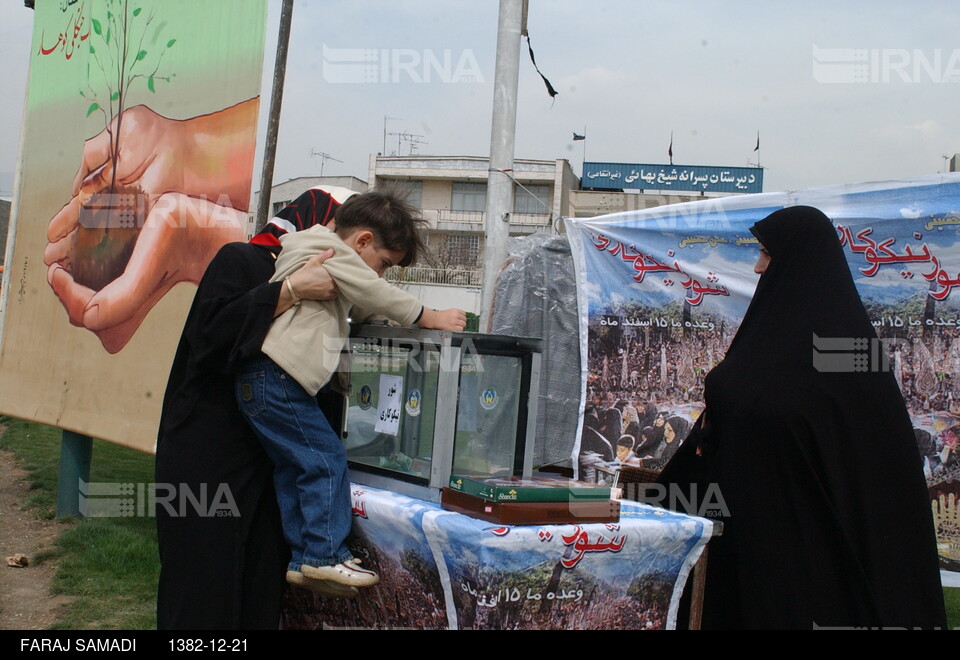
154,197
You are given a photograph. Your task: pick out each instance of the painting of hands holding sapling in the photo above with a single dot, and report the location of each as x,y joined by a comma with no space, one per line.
154,197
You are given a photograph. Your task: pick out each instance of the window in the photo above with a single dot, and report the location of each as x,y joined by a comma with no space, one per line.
469,197
533,199
464,249
279,206
455,250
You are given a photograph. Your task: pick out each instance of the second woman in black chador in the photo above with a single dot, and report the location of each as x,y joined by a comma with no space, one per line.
826,517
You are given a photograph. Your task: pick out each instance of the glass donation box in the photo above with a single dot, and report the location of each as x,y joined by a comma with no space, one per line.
423,404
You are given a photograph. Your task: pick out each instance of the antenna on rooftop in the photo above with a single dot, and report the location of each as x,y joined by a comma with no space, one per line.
412,140
324,157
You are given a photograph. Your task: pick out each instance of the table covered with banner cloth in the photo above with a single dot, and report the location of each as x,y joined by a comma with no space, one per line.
443,570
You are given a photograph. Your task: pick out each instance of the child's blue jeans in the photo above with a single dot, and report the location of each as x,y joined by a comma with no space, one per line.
310,464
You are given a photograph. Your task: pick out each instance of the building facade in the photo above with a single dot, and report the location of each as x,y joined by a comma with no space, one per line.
451,194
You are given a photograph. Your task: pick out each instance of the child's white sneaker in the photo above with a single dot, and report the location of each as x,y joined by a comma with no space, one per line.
347,573
321,587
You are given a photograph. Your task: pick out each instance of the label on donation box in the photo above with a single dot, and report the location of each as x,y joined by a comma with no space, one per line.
390,404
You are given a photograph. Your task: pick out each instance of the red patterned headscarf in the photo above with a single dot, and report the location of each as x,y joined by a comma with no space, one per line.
314,207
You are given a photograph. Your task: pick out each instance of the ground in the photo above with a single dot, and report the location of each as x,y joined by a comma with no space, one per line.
26,602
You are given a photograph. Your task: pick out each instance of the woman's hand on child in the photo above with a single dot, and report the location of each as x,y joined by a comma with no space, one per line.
312,281
446,319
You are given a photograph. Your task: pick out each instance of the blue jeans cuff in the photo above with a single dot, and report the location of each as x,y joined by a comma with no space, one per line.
317,563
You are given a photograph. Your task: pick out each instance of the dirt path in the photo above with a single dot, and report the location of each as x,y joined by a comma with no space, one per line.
25,599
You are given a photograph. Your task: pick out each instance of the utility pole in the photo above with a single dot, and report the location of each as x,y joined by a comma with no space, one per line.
502,135
273,121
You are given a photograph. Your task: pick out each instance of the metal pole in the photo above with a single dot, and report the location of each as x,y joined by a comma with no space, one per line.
76,451
273,122
499,182
583,155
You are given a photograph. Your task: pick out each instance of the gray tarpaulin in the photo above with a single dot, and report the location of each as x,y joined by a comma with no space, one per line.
536,296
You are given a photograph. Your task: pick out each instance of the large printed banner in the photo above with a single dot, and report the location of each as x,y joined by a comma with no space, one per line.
443,570
662,292
137,158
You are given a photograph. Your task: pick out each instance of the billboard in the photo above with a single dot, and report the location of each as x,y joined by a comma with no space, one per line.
136,163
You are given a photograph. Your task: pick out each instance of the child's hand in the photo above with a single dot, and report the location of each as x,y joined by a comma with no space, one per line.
447,319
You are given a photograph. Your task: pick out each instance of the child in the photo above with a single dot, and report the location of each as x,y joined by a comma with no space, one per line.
276,392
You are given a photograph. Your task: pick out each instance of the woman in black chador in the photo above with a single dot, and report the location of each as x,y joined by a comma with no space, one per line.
825,510
224,569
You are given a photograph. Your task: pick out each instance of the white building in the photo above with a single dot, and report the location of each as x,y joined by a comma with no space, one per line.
451,193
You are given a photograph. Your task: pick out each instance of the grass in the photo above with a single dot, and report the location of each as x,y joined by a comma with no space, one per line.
951,596
37,449
109,566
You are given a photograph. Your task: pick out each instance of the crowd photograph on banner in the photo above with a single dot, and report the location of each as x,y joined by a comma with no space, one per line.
647,361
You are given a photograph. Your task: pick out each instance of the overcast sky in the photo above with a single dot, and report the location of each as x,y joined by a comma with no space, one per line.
841,91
